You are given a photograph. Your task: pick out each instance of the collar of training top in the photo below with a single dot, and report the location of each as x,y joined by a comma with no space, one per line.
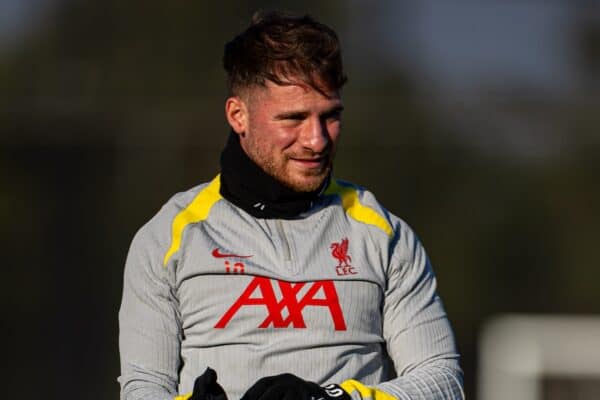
247,186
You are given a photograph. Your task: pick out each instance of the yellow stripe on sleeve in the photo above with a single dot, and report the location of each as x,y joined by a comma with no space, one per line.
365,392
195,212
356,210
183,396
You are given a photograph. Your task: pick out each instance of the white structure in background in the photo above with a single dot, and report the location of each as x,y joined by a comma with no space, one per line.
518,351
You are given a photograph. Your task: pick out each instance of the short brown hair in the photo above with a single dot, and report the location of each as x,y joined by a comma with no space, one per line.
284,48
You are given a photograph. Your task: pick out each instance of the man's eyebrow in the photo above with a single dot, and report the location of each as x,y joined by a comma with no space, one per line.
303,114
334,110
291,115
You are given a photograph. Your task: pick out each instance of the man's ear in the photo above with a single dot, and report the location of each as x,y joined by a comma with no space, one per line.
236,112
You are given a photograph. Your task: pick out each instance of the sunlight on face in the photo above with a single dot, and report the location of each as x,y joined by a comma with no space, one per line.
291,132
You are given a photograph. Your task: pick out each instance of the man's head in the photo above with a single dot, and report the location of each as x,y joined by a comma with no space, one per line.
284,77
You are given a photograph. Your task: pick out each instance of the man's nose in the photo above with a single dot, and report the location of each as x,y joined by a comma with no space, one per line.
315,135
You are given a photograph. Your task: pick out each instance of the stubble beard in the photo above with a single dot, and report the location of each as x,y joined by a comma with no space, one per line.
314,181
279,170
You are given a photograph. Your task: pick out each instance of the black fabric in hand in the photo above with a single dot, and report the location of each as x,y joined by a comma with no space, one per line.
290,387
207,388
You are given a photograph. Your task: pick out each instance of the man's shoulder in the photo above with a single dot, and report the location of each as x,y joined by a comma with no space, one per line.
164,231
362,205
352,192
178,203
202,193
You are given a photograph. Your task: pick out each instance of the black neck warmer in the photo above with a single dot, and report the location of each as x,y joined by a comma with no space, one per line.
247,186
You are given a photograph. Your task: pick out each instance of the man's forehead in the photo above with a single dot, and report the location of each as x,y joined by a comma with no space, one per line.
293,89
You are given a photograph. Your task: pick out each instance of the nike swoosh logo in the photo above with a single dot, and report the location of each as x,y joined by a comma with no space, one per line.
217,254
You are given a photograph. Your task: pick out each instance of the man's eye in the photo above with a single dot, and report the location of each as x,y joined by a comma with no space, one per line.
334,116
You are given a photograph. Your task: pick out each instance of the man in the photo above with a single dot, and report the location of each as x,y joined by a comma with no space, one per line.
275,275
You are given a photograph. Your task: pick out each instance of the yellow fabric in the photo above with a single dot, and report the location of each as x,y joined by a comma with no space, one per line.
197,211
355,209
365,392
183,396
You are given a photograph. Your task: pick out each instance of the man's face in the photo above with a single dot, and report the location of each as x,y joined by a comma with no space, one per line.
291,132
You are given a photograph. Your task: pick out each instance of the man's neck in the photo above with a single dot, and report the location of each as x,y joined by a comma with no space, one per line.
246,185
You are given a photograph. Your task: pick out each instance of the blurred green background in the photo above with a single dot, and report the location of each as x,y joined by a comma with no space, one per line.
476,122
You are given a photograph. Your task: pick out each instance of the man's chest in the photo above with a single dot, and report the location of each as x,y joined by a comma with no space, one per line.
240,306
277,276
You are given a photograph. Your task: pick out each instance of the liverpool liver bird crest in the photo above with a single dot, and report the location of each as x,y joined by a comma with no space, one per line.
340,252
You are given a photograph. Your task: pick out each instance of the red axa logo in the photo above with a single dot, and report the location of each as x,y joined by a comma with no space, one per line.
339,251
289,301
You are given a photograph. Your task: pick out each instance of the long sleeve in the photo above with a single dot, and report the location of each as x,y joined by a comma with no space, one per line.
149,321
417,332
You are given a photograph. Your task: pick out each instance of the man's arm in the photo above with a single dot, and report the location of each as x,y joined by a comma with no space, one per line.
418,334
149,323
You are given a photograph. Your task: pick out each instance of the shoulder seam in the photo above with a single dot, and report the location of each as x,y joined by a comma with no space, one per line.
196,211
351,204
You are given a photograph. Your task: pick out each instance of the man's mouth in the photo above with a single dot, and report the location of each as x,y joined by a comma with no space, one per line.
310,162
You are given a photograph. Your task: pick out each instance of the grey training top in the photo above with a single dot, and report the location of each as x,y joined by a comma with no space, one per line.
343,294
